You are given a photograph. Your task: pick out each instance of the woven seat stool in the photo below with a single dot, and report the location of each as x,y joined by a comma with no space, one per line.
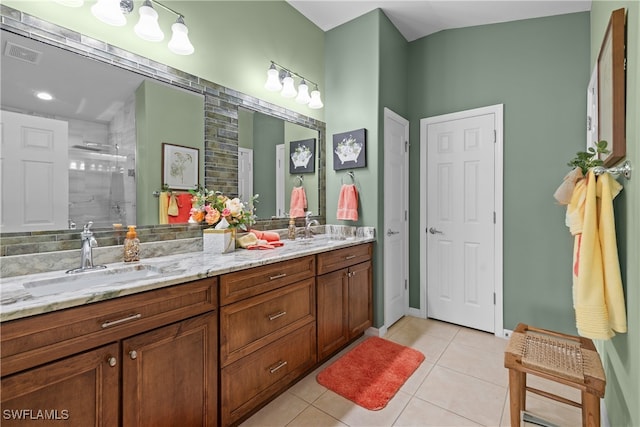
558,357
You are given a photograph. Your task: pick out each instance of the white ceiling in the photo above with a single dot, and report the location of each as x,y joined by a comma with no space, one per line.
418,18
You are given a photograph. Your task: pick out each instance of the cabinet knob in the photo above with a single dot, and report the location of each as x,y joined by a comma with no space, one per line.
133,354
112,361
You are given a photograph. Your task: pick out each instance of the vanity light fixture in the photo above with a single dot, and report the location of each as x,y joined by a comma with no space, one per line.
280,79
113,12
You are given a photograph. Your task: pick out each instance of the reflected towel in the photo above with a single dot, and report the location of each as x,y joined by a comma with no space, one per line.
298,204
348,203
598,296
184,209
173,206
163,206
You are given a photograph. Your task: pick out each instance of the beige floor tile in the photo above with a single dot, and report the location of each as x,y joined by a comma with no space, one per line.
312,416
432,327
467,396
548,410
353,415
280,412
481,340
431,346
554,387
308,388
480,363
419,413
417,378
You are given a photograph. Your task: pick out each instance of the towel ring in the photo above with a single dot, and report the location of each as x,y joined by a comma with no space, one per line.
351,175
300,179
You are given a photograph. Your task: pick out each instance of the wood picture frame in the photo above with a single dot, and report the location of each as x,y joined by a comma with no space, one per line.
180,167
611,89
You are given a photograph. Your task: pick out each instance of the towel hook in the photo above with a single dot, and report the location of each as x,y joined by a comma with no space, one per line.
624,169
351,175
300,179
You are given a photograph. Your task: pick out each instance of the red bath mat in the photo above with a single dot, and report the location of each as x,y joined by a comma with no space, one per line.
372,372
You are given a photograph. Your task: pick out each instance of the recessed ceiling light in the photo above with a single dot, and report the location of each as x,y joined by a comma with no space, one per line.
45,96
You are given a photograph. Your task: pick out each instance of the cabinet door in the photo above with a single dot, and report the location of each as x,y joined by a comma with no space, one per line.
360,299
80,390
332,312
169,375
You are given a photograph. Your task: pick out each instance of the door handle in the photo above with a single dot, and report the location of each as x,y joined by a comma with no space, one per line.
434,231
391,233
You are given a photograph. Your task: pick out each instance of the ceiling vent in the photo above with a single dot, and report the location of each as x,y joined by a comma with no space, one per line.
22,53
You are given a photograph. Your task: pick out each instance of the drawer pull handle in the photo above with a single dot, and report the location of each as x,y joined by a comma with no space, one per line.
349,257
275,316
281,364
117,322
277,276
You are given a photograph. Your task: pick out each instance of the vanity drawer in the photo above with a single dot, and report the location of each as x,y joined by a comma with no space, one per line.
254,281
40,339
247,325
341,258
257,377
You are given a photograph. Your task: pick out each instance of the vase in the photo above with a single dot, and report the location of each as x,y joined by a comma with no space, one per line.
219,241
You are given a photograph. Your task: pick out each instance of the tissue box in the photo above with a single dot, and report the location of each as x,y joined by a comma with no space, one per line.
219,241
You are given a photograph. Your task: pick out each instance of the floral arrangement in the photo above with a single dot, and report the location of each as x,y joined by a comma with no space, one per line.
220,211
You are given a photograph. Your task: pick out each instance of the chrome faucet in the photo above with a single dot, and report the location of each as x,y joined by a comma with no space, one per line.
308,222
86,251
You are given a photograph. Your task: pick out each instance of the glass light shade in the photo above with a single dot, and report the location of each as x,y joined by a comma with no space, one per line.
180,43
108,11
147,27
303,93
315,102
273,79
288,88
70,3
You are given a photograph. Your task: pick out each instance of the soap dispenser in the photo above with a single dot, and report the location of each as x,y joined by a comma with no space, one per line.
131,245
292,228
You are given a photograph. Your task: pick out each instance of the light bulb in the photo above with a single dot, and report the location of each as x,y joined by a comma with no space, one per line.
315,101
288,89
273,79
303,93
147,27
180,43
108,11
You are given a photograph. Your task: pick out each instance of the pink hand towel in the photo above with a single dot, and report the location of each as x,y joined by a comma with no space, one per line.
348,203
298,202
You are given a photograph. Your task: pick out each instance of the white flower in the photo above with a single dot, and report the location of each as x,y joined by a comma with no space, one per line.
235,206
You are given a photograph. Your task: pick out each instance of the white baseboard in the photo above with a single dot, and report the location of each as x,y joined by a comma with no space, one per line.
506,333
604,417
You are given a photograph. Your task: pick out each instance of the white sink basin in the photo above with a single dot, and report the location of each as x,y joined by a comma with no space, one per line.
88,279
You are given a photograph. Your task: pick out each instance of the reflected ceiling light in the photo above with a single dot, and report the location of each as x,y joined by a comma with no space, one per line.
108,11
45,96
303,93
180,43
147,27
280,78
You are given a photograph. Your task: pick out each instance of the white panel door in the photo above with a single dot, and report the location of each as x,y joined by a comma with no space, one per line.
460,221
34,159
245,174
396,211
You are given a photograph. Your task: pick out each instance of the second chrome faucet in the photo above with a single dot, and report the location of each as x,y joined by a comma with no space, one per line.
86,251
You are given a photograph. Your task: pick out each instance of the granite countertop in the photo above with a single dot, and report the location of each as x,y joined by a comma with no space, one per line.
17,301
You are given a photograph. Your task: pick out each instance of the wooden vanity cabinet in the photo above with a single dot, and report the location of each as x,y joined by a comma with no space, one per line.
144,359
267,333
345,300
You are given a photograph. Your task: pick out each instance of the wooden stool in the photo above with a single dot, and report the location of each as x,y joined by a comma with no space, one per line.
566,359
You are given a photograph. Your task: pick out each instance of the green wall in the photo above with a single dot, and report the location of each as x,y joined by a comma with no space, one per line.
621,355
539,70
182,124
234,41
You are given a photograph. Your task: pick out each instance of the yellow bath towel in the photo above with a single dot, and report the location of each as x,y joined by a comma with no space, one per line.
598,297
163,208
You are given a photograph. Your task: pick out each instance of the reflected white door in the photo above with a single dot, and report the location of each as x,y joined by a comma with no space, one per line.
396,219
460,221
34,166
245,173
280,170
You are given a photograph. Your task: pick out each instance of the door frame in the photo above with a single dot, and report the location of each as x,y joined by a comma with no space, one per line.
498,155
391,115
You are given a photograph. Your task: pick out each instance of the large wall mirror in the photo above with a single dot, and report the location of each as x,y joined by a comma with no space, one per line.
111,162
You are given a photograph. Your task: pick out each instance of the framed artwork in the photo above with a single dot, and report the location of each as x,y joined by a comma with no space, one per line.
302,156
180,167
592,110
349,149
611,89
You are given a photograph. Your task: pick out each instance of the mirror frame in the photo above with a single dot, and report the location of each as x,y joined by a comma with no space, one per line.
221,120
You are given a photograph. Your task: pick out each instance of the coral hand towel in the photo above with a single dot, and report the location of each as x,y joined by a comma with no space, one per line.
184,209
348,203
598,297
298,204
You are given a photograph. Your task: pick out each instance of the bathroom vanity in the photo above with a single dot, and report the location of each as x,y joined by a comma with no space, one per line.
207,345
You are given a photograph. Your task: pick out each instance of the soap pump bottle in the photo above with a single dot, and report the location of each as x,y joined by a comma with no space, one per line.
292,228
131,245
